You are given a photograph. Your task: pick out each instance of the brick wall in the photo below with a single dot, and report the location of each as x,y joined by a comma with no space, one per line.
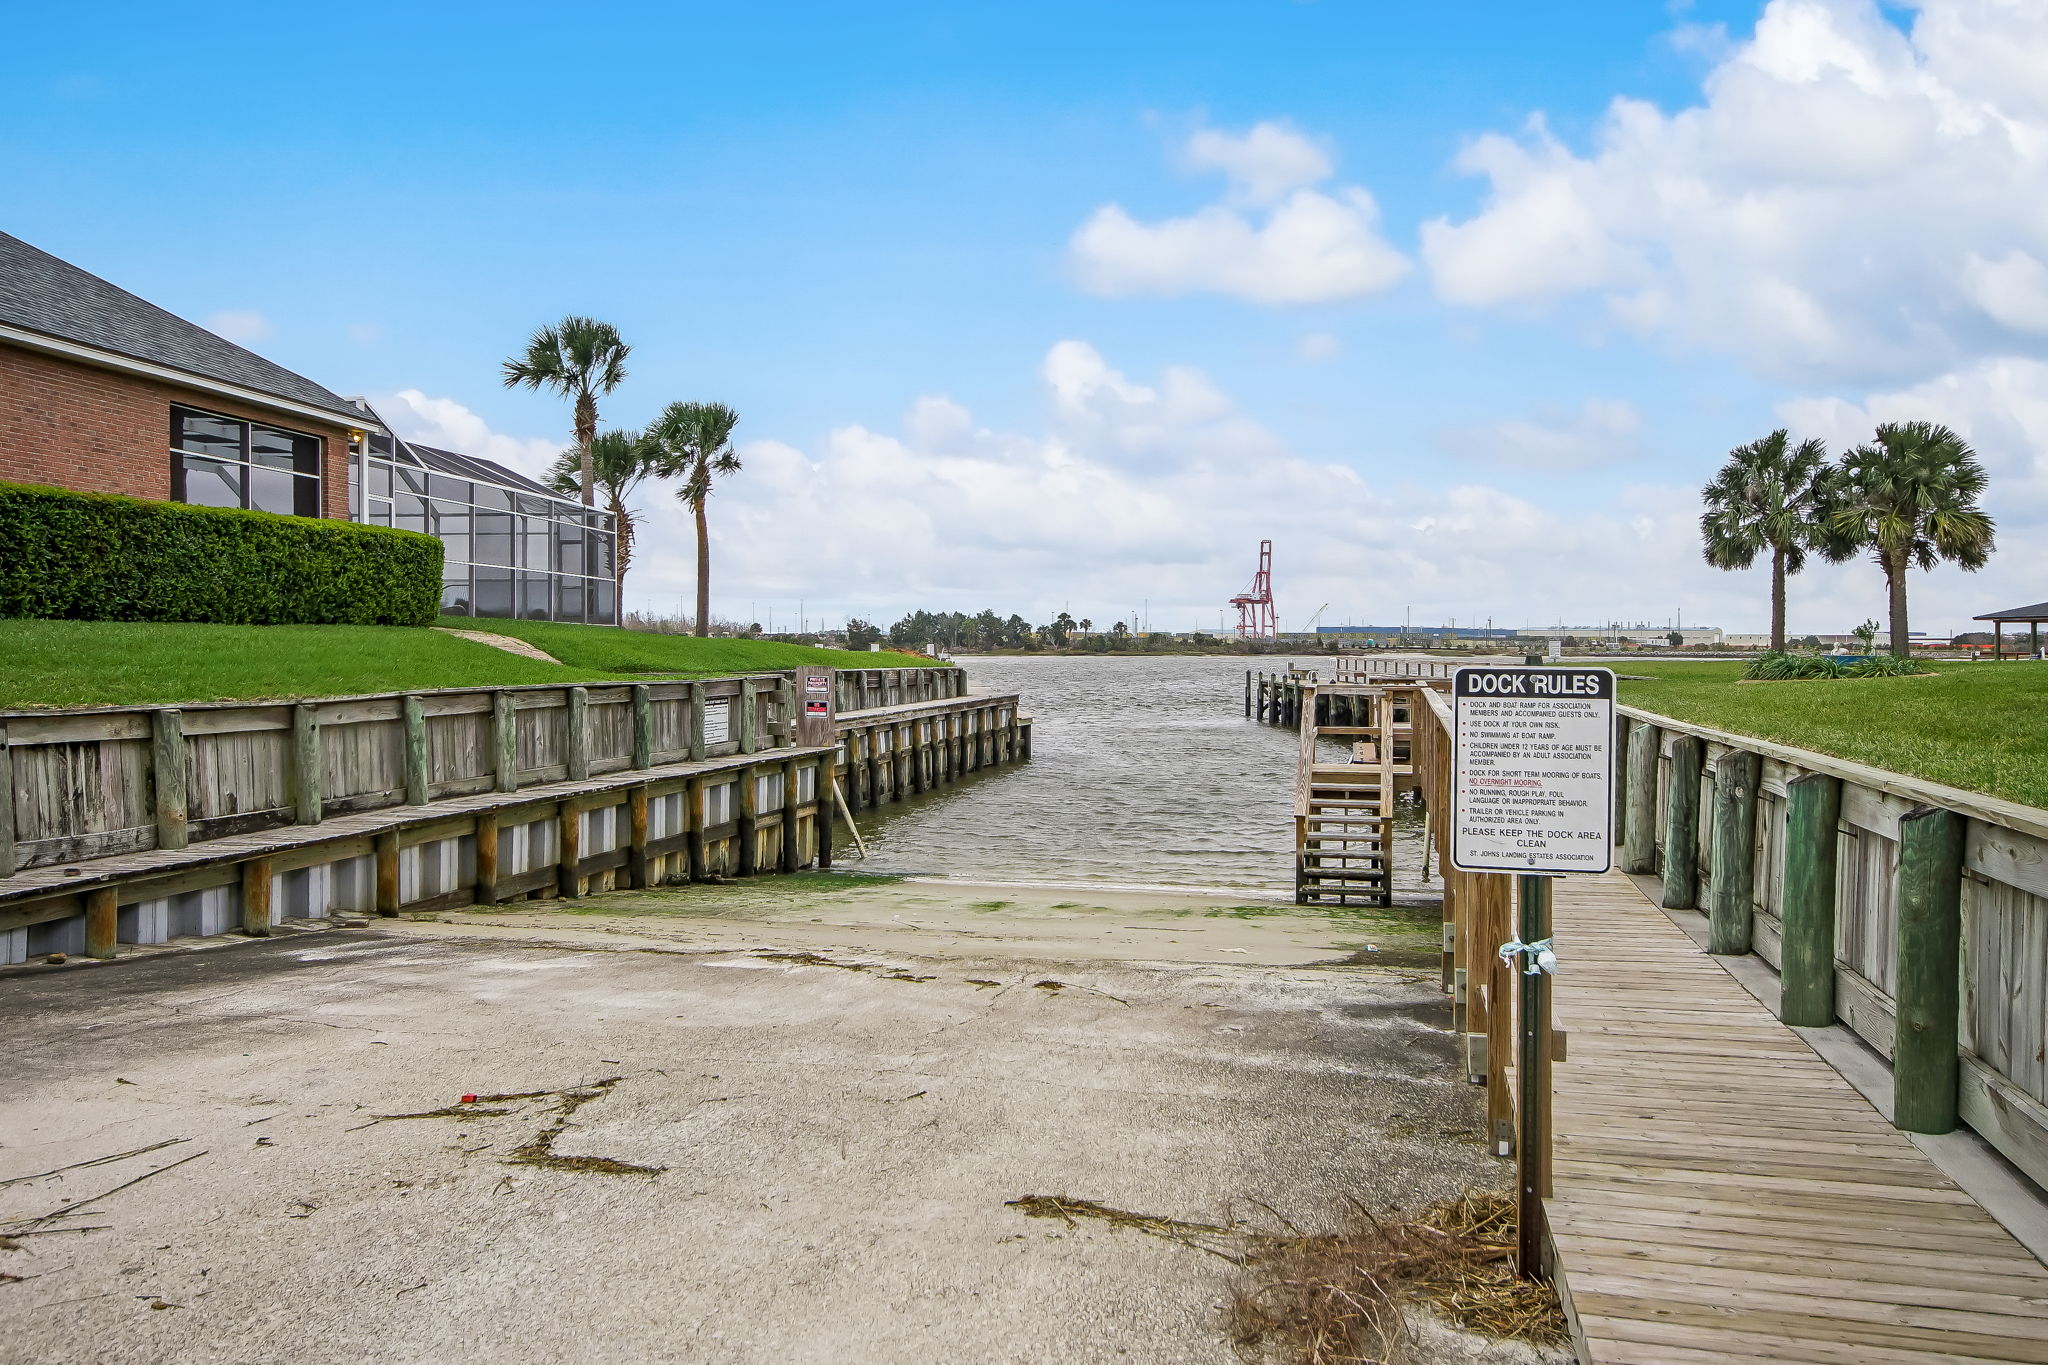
99,431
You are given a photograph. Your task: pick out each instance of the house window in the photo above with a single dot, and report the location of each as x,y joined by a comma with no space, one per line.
226,462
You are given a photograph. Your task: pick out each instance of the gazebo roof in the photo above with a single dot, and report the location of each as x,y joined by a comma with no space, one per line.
2037,612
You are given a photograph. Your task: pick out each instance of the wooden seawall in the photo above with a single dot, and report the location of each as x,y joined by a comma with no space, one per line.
139,825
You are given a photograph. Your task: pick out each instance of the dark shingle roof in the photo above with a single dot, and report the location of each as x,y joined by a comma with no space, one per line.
2037,612
39,293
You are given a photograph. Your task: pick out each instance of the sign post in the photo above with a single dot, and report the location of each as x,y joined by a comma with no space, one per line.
1532,794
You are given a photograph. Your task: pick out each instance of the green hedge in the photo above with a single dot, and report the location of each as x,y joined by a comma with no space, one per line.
97,557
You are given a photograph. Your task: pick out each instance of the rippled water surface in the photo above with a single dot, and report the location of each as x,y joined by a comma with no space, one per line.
1144,771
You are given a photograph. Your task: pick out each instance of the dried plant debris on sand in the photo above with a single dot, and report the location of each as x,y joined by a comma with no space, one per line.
540,1149
1340,1298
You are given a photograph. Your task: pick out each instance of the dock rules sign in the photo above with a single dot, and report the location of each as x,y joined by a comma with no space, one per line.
1532,775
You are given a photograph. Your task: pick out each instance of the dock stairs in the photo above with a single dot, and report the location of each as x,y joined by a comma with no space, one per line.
1343,807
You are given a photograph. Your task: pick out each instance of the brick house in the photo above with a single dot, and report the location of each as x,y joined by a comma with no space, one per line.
104,392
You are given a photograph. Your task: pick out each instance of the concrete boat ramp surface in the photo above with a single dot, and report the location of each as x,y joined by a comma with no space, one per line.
782,1128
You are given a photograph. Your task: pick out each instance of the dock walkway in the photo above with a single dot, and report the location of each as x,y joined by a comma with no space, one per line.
1723,1195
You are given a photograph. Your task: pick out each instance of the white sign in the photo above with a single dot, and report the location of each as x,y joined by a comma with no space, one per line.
1532,776
717,722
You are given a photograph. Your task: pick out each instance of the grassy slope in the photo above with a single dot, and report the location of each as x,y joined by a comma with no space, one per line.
635,651
1982,727
125,663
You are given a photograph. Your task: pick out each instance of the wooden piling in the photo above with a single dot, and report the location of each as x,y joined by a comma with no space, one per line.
1639,853
636,839
1925,1063
643,726
1813,813
750,718
693,723
872,742
792,850
486,888
102,920
256,898
569,824
386,856
693,829
1682,824
413,713
747,791
576,734
308,776
825,812
167,778
505,741
1731,912
1247,692
7,853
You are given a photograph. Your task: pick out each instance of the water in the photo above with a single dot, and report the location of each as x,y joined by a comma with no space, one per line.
1144,772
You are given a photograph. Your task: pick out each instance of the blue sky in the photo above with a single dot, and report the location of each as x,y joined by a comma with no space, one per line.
874,231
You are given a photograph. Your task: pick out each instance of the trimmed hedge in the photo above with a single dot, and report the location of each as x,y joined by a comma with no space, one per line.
97,557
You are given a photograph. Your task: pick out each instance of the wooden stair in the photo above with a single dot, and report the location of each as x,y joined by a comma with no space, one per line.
1343,811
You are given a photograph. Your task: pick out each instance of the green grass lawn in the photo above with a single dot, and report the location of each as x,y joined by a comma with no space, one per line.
126,663
1982,727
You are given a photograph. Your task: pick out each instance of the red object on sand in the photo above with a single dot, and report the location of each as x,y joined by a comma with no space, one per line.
469,1099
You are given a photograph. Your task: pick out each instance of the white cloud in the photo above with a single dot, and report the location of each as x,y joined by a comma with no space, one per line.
242,325
1848,200
1314,346
1264,165
1602,431
1274,240
448,424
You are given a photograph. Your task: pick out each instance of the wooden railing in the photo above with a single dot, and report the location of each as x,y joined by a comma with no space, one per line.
92,784
1880,898
868,689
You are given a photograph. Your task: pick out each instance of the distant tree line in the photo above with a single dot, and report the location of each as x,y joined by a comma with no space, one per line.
953,631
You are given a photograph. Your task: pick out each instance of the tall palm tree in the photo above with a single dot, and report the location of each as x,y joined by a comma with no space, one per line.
1910,498
578,358
619,462
696,443
1771,496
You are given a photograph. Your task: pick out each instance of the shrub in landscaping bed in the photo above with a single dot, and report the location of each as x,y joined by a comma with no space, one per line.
98,557
1791,667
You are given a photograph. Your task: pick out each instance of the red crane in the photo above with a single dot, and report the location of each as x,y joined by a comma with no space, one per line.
1255,619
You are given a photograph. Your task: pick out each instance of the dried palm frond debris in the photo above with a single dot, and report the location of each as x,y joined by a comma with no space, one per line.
1339,1298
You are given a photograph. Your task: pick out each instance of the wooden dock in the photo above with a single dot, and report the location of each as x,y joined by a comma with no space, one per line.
1723,1195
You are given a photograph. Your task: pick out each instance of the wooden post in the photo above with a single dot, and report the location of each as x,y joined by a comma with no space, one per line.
505,741
693,829
1497,916
1925,1064
167,777
1813,814
576,741
901,740
415,718
386,847
853,764
308,772
636,838
1639,852
1247,692
1010,737
1682,825
694,722
102,922
791,850
643,726
256,898
569,821
487,858
750,718
1731,912
747,790
823,809
918,751
7,854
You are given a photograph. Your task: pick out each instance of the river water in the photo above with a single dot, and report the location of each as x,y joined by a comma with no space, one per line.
1144,772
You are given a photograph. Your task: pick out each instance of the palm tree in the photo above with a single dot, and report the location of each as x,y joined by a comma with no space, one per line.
579,358
618,462
1770,495
696,444
1910,498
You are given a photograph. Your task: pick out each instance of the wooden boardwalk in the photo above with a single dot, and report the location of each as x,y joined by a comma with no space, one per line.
1723,1195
